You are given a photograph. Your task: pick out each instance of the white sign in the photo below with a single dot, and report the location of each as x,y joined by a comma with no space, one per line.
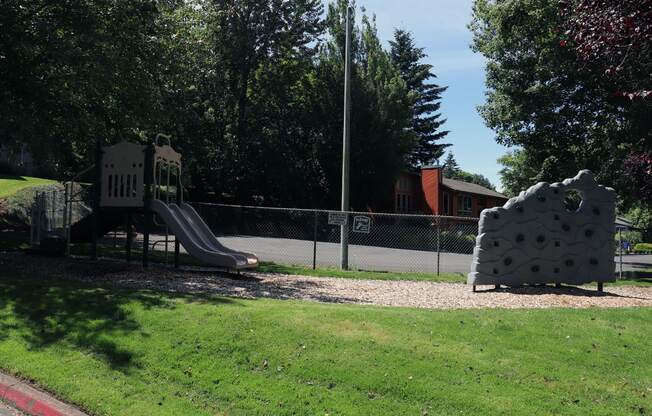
361,224
337,218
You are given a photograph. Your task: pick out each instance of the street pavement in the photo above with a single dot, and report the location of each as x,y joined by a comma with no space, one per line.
291,251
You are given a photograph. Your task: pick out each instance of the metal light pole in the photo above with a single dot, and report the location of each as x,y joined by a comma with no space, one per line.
344,228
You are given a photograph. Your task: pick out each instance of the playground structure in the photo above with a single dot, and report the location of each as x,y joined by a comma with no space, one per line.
133,179
535,239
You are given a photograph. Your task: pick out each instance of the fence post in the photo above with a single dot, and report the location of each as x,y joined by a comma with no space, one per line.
39,214
314,243
620,244
438,221
69,208
65,217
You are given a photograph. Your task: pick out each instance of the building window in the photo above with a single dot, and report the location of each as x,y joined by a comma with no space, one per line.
446,204
464,205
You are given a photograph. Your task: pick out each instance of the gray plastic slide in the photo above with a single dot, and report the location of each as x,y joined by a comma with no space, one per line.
202,228
198,240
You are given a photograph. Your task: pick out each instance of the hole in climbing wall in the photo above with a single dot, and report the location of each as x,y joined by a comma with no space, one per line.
593,261
572,200
541,239
556,270
495,271
588,233
535,268
541,198
569,263
496,243
556,217
496,216
519,209
507,261
520,238
565,227
557,244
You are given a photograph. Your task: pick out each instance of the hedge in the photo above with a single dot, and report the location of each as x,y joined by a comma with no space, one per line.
643,248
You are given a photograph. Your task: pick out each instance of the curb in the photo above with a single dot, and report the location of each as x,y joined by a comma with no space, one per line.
34,402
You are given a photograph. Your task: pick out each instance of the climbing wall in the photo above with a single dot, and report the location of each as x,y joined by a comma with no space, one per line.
535,238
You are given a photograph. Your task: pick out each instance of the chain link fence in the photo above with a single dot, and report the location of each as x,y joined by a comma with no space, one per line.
378,242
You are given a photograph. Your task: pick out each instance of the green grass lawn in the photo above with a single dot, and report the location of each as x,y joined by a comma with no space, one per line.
119,352
10,184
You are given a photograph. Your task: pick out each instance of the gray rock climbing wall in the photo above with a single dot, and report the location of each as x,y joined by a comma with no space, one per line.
535,238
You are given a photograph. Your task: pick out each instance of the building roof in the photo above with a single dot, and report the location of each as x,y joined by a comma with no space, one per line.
470,188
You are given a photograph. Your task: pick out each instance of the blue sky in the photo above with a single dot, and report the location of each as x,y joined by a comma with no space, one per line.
439,26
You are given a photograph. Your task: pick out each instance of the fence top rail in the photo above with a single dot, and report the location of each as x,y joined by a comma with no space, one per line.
474,219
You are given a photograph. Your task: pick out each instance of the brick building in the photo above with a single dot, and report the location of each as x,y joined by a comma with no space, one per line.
428,192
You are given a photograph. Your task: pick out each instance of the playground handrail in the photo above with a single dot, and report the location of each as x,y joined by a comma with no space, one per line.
165,136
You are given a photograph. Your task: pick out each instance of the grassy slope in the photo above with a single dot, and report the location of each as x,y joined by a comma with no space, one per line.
140,353
10,184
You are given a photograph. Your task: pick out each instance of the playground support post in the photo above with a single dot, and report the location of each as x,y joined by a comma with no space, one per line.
344,233
179,201
97,194
129,237
147,200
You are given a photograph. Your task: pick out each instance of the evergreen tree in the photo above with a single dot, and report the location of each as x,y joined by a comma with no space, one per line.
451,168
380,118
426,121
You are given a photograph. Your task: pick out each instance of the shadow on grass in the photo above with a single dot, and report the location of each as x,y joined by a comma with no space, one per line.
45,311
12,177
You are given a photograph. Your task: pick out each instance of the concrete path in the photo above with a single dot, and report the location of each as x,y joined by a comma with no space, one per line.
18,397
5,410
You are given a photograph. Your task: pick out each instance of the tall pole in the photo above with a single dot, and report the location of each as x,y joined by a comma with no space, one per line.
344,242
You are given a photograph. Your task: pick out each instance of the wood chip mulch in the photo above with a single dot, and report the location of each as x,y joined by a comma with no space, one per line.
431,295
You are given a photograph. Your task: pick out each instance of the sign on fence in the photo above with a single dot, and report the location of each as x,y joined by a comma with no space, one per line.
361,224
337,218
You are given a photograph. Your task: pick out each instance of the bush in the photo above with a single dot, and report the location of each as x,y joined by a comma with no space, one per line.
643,248
632,237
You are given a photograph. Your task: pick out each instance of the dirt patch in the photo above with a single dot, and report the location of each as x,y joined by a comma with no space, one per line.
430,295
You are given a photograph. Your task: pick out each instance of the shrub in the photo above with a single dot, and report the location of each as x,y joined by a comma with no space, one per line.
643,248
632,237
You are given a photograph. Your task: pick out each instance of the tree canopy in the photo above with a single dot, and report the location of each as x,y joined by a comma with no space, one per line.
250,90
543,101
426,121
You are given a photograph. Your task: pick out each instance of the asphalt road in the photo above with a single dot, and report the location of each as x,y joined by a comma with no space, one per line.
290,251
